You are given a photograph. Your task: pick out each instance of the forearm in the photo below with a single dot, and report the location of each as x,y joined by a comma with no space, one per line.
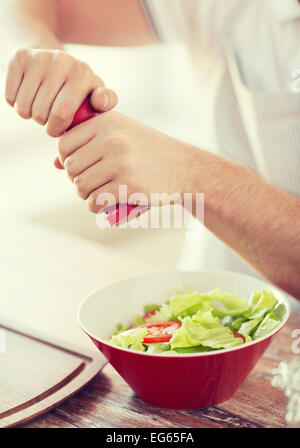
27,24
258,221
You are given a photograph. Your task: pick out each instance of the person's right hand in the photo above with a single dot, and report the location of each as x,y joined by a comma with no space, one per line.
50,85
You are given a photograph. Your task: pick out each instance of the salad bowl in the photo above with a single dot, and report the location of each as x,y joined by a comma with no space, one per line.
174,380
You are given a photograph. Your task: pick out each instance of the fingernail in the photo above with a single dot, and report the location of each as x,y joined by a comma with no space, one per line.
105,101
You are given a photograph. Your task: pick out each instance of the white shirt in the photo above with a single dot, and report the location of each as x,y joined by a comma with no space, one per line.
247,55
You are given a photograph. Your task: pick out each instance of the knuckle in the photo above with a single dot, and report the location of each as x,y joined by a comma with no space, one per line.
59,55
116,139
62,113
38,116
124,163
78,182
69,166
52,131
79,185
9,99
23,111
99,80
21,54
81,69
110,118
40,56
62,150
92,202
62,59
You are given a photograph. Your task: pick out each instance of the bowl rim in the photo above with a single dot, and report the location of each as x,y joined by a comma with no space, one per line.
185,355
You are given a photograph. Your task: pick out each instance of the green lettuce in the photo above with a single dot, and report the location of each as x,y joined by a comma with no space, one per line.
203,329
164,313
151,307
207,321
248,327
188,304
267,326
278,311
227,304
138,320
197,349
237,322
261,305
132,339
158,347
120,328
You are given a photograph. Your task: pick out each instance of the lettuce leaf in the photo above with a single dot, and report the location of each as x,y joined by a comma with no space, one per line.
151,307
237,322
132,339
248,327
138,320
255,297
278,311
227,304
261,316
197,349
164,313
266,327
120,328
188,304
262,305
203,329
207,321
158,347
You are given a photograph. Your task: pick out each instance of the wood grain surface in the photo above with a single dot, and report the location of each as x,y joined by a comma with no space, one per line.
107,402
37,374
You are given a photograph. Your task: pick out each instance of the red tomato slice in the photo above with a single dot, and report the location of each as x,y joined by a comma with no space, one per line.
238,335
160,331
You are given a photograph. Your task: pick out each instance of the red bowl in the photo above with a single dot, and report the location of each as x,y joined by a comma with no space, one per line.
181,381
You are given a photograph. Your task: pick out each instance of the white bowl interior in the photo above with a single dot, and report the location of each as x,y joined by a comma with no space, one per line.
99,313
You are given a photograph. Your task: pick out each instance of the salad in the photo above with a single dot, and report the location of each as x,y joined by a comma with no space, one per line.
191,322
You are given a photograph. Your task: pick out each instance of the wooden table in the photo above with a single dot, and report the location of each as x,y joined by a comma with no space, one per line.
108,402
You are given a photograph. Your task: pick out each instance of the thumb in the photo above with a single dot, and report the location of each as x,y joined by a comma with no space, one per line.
103,99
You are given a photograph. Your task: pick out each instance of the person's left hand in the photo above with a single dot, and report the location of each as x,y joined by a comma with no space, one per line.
111,150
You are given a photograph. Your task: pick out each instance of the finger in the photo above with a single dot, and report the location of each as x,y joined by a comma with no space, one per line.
91,153
94,177
31,83
76,137
103,99
108,122
83,158
14,77
103,198
72,141
67,103
45,97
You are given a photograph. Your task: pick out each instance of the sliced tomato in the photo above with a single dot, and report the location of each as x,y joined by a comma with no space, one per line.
238,335
160,331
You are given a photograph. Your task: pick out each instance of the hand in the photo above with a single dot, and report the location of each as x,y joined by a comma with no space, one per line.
111,150
50,85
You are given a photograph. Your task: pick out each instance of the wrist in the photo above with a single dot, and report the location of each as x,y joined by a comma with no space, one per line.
43,38
217,179
39,38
